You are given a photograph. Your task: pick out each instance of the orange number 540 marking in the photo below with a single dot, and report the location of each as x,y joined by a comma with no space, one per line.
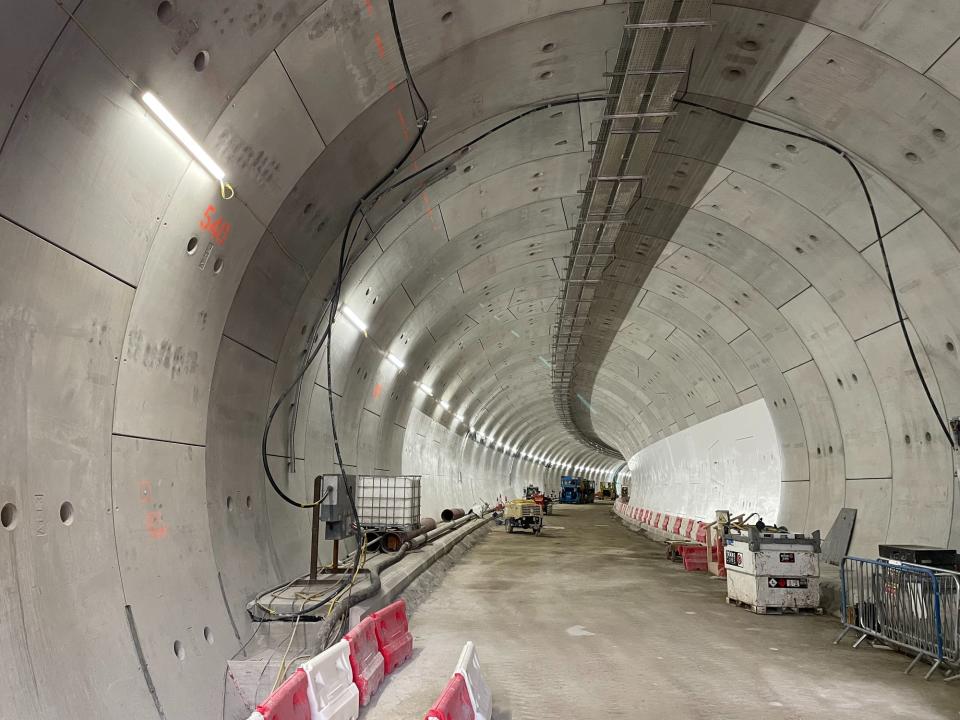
218,228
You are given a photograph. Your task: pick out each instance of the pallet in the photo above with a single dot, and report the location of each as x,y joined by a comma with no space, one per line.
774,610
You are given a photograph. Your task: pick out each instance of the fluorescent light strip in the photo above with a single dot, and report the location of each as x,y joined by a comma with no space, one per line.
445,405
354,319
179,132
460,418
425,389
395,361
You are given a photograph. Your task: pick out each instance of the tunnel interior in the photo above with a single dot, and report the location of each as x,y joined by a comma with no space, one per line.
402,262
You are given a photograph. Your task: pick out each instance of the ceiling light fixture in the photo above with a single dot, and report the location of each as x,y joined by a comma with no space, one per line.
397,362
185,139
354,319
426,389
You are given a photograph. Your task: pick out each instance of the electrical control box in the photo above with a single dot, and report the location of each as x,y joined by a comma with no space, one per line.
335,510
772,571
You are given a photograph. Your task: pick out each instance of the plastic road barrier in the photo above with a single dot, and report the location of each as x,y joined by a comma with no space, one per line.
453,703
393,635
289,701
480,697
365,659
330,687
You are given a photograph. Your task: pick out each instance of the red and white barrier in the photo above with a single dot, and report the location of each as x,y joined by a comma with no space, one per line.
480,696
365,659
453,703
393,635
330,687
289,701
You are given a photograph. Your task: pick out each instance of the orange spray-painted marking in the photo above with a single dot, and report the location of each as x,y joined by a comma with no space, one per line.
155,525
403,124
370,8
377,389
380,48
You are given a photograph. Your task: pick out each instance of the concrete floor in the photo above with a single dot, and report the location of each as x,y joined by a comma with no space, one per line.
589,620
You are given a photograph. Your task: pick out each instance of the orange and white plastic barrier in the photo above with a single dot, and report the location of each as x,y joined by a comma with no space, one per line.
480,696
393,635
454,702
289,701
365,659
330,687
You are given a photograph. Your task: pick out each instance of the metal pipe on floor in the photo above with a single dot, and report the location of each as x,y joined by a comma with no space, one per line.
451,514
395,539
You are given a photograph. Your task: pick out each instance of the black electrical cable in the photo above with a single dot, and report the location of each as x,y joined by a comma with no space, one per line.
372,196
266,429
346,246
486,134
876,227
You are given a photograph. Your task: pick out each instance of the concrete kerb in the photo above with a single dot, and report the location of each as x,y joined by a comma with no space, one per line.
422,561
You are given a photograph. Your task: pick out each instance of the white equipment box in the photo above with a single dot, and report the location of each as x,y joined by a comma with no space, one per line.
773,572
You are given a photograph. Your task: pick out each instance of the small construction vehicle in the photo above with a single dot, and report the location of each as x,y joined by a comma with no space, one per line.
523,514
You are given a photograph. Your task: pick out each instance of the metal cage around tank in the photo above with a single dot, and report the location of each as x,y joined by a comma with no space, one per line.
388,502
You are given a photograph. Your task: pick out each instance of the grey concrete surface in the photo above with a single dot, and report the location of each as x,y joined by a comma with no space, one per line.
140,353
590,620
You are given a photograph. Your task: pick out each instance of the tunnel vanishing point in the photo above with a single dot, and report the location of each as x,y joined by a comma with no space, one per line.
703,249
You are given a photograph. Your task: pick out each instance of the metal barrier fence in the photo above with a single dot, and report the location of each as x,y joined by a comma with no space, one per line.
948,582
910,606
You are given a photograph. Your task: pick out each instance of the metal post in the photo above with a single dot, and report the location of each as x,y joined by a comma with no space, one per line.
315,529
336,554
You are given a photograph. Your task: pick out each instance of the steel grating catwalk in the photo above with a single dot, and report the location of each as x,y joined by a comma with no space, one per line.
651,67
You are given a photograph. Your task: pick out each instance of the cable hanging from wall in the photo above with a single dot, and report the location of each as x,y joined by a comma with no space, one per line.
901,320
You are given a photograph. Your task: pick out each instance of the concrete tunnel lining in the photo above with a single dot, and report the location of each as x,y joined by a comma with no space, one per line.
138,379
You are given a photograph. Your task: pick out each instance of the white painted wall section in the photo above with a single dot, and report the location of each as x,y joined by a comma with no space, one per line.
731,461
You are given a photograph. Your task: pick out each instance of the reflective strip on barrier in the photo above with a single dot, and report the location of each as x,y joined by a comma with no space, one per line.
330,688
453,703
393,636
365,659
689,530
656,521
480,696
289,701
677,524
666,522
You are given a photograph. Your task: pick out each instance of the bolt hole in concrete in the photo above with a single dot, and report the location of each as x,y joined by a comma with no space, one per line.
192,245
208,635
179,650
229,503
447,16
8,516
217,266
165,12
66,513
249,502
546,75
732,73
200,60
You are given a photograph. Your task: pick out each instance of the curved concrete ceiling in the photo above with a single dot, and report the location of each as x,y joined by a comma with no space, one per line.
139,366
